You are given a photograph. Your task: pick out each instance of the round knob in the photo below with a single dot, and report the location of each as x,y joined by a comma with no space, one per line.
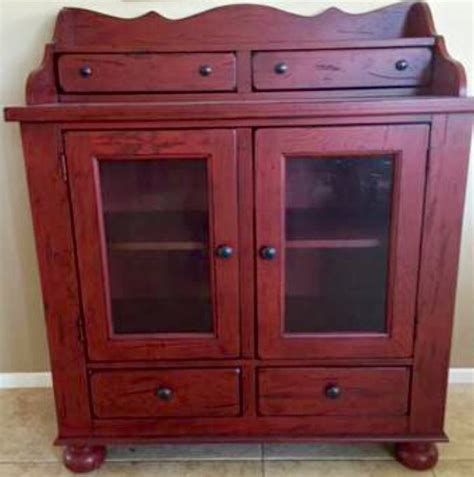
268,253
401,65
333,391
85,71
165,394
224,251
205,70
281,68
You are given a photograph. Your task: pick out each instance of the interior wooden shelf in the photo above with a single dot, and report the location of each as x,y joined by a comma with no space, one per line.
156,246
305,314
157,229
162,315
335,243
308,228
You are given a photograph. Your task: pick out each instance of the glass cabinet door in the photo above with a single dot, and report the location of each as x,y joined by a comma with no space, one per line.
156,230
337,224
156,226
338,230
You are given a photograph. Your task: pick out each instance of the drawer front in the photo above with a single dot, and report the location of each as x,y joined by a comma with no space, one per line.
166,393
333,391
331,69
134,73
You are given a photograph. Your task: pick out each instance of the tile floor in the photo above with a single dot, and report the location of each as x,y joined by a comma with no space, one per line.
27,428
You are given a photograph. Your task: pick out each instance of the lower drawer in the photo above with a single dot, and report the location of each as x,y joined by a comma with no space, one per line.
166,393
333,391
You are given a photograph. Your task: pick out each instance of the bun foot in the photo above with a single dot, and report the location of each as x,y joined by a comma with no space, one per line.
416,455
82,459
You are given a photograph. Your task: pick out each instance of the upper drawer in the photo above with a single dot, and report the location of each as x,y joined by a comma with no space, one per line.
333,391
363,68
166,393
135,73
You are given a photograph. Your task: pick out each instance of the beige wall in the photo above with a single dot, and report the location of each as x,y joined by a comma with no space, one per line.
25,27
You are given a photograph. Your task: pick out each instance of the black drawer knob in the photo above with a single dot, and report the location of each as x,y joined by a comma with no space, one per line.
281,68
333,391
401,65
268,253
164,394
224,251
205,70
85,71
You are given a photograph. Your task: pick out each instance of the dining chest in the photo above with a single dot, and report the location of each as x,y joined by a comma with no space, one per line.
247,225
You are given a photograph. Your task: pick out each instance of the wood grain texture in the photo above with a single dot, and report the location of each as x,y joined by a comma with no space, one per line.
133,393
331,69
161,49
363,391
153,72
56,256
296,108
87,30
446,181
263,428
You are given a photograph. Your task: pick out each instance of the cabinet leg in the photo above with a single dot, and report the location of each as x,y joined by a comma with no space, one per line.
417,455
82,459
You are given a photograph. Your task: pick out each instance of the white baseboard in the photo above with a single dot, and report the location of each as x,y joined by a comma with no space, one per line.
43,380
25,380
461,375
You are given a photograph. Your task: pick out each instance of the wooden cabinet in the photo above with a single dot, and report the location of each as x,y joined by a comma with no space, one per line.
248,233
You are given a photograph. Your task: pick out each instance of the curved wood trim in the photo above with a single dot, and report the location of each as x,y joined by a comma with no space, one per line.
449,76
420,21
243,25
41,84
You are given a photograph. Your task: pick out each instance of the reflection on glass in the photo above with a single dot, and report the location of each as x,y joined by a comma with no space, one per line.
337,229
155,216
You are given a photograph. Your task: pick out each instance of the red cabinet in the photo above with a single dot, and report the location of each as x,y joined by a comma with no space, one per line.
248,233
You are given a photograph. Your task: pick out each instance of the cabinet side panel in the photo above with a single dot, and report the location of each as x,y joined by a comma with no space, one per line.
439,260
55,250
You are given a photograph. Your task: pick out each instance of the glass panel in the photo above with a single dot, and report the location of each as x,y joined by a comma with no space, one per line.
156,227
337,232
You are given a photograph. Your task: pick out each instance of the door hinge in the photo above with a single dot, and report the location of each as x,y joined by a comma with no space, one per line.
80,330
62,161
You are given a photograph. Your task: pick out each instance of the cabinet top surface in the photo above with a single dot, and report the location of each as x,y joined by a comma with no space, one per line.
99,65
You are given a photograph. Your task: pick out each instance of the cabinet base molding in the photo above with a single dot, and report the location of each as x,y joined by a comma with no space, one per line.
158,440
417,455
83,458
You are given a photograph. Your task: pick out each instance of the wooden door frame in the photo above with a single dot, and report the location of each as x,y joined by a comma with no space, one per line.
83,152
409,144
